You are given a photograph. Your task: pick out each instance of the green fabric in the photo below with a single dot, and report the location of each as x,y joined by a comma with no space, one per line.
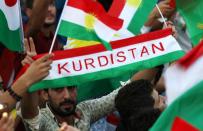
191,11
188,106
72,30
114,72
102,87
141,16
10,39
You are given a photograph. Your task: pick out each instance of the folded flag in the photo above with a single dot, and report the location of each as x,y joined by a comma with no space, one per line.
133,12
87,20
10,25
184,84
80,65
191,11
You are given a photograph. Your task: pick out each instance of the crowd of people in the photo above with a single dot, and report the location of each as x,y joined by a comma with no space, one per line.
135,105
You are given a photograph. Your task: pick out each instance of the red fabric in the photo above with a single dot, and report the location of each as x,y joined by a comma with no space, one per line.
96,9
192,56
113,119
117,7
181,125
172,3
7,60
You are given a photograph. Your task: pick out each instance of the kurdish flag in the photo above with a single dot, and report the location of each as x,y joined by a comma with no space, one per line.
191,11
10,25
81,65
184,82
133,12
87,20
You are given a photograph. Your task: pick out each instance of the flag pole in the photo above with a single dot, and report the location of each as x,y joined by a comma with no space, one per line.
57,28
161,15
22,30
54,39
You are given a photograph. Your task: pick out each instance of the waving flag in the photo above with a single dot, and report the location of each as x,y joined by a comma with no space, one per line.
10,25
133,12
191,11
184,82
87,20
86,64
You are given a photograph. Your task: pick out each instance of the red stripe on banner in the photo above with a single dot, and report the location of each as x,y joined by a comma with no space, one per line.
181,125
141,38
115,44
96,9
116,8
192,56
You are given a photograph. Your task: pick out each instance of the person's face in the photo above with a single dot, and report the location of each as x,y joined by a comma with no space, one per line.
51,15
63,100
159,100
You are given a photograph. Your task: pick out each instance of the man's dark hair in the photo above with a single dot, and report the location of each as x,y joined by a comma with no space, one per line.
29,4
135,104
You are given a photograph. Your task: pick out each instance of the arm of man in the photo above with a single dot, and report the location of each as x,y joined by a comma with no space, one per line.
36,21
147,74
37,71
98,108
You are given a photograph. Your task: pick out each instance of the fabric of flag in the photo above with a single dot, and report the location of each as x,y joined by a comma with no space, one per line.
87,20
10,25
191,11
86,64
184,85
172,3
133,12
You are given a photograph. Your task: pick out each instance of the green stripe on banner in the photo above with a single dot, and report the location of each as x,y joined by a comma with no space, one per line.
141,16
188,107
10,39
114,72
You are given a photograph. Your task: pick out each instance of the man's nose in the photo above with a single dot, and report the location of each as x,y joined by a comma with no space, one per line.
66,93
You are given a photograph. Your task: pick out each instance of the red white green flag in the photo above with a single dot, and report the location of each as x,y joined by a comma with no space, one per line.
133,12
184,84
10,25
81,65
87,20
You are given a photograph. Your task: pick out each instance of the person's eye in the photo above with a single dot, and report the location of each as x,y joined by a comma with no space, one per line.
58,90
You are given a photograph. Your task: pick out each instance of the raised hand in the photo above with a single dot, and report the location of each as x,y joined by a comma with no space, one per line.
38,69
30,51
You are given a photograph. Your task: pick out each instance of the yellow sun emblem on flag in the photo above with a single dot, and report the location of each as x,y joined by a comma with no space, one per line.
74,43
134,3
90,21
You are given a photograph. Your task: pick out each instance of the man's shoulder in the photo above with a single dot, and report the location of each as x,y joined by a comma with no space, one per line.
46,114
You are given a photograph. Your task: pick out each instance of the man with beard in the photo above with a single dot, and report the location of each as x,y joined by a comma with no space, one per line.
61,106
